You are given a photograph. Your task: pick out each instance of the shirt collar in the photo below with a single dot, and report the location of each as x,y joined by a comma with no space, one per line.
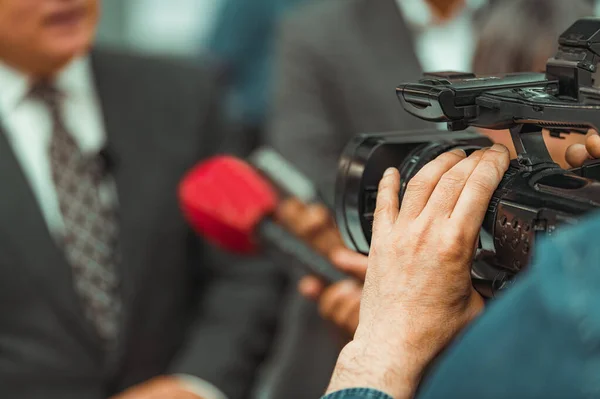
418,13
13,87
74,80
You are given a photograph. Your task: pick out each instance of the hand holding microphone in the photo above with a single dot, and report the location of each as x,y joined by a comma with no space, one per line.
339,302
232,206
304,213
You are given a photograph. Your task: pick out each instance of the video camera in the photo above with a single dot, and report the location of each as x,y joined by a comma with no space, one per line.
535,196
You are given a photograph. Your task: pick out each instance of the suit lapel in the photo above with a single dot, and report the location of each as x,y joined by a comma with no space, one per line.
29,238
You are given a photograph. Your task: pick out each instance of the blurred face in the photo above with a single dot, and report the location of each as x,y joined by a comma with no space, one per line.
41,36
446,8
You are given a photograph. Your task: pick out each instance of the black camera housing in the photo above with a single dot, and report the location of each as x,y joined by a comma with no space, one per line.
364,161
566,97
536,196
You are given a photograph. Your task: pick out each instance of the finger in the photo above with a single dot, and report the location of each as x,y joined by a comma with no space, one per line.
348,311
475,197
334,297
313,224
314,219
592,145
289,212
162,388
327,241
576,155
421,186
353,320
171,393
311,287
448,190
386,208
185,395
350,262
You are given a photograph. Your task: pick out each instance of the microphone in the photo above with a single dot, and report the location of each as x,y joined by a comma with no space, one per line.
289,180
231,205
286,177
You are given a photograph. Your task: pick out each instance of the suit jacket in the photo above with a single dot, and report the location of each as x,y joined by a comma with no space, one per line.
187,309
338,64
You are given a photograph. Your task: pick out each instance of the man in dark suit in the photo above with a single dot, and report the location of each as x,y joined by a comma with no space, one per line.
104,289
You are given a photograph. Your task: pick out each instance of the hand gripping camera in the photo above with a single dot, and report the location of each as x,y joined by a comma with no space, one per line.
536,196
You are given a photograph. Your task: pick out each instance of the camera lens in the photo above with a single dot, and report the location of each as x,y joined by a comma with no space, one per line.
424,154
366,158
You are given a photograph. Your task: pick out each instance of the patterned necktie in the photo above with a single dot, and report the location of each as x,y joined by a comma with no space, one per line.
90,228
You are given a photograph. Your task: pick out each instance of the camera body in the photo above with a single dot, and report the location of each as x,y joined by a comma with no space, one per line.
536,196
366,158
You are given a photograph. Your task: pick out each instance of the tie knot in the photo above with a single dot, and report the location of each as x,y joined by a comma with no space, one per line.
46,92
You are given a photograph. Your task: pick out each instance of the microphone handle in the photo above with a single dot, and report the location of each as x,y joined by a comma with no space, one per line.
283,175
282,240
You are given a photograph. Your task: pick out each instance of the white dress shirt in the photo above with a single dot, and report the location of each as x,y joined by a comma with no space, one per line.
27,123
447,46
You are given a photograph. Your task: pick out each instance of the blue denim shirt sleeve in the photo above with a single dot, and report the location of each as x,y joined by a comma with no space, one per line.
358,393
541,339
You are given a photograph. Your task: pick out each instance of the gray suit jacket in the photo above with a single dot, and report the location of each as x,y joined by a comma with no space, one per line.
339,62
186,309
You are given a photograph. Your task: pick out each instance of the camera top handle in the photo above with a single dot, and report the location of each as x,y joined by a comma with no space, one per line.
565,99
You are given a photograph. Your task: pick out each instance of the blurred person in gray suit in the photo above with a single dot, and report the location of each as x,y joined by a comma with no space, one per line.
338,63
104,289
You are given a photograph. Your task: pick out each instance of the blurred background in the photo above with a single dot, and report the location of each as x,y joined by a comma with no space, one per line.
177,28
304,77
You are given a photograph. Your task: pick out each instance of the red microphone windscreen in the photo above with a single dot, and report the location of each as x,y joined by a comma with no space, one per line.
224,200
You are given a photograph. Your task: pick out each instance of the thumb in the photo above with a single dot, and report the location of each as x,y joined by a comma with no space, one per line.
350,262
592,145
311,287
576,155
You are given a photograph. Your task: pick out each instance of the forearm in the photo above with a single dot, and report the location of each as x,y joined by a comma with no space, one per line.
368,365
